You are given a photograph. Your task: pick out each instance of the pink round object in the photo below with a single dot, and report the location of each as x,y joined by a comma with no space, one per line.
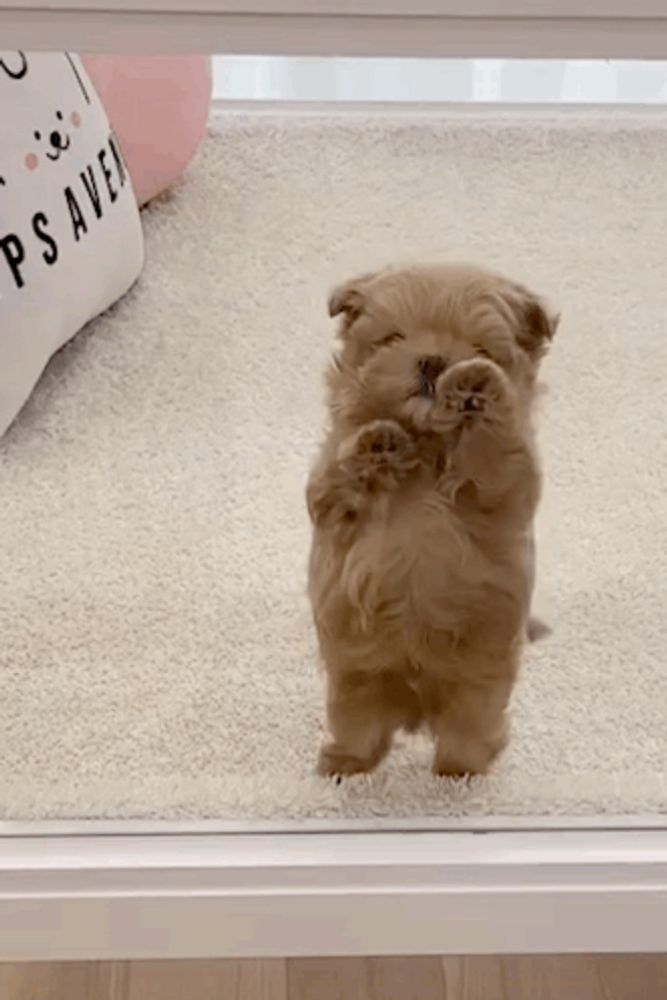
158,107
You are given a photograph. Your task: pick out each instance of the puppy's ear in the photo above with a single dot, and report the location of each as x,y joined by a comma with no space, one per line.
535,322
348,300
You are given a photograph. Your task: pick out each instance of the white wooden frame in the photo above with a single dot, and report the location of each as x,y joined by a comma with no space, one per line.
537,28
332,894
129,890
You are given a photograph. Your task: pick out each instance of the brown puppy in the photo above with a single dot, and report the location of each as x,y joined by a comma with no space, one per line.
422,503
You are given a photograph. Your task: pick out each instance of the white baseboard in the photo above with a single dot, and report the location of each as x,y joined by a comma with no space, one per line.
609,114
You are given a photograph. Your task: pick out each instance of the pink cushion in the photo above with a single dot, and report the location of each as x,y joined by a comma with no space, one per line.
158,107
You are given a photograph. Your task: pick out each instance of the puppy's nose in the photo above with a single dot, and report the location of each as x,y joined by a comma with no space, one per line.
430,366
55,139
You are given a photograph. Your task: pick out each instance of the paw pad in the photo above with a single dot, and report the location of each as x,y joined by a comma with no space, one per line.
383,438
470,387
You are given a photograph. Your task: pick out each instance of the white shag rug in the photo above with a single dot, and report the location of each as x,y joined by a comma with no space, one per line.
157,655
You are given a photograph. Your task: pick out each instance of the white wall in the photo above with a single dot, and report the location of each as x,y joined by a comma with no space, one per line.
511,80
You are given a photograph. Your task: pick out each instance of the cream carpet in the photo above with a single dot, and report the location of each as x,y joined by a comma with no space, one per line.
157,656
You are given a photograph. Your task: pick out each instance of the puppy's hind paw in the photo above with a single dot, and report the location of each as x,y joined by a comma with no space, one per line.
335,762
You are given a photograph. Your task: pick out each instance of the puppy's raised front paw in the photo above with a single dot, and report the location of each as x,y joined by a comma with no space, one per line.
469,390
379,450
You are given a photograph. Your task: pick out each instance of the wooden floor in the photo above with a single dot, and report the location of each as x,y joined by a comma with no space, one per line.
615,977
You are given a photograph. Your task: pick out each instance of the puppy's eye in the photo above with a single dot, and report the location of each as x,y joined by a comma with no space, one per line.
482,352
391,338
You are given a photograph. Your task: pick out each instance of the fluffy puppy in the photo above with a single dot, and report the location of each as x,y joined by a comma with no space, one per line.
422,503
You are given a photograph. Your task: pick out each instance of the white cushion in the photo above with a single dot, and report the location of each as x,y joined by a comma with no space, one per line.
70,235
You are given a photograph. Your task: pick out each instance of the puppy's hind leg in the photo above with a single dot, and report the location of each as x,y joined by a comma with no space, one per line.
364,711
471,729
467,707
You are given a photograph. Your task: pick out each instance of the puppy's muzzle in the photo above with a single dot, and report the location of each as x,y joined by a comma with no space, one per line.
429,368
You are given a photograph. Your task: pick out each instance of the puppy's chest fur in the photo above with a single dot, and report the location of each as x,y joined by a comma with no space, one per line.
417,562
